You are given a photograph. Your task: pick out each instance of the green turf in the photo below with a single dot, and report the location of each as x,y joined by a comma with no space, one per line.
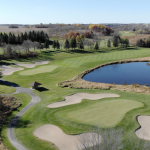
39,114
4,89
42,69
103,113
114,55
127,33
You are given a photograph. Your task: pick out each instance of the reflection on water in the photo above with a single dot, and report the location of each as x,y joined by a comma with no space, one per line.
136,72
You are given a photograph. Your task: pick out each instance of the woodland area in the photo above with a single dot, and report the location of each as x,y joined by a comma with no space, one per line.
68,37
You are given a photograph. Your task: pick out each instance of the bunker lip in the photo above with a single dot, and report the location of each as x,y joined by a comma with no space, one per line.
144,131
77,98
54,134
8,70
79,83
32,65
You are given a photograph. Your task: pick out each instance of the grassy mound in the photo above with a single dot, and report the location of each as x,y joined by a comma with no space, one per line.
38,70
4,89
104,113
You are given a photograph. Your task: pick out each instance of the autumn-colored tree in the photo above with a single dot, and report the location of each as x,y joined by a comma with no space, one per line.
81,36
78,38
71,35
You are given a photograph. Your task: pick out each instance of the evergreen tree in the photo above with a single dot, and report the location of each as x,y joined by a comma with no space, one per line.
54,44
72,43
96,46
126,42
81,46
67,44
46,44
109,43
116,41
57,45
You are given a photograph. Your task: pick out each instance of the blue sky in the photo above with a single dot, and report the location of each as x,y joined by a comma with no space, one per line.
77,11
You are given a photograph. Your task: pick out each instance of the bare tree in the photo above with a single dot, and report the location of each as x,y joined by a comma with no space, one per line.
27,45
110,139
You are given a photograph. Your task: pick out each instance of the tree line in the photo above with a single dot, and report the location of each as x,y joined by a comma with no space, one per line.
19,39
143,43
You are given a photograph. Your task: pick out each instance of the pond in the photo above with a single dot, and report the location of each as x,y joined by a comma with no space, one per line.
131,73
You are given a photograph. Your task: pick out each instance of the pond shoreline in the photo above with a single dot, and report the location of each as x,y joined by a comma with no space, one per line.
79,83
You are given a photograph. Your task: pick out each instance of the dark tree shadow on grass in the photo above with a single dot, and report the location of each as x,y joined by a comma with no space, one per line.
7,83
21,123
41,89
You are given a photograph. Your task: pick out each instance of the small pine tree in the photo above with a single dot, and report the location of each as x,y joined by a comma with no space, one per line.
109,43
67,44
126,42
96,46
72,43
54,44
57,45
81,46
116,41
46,44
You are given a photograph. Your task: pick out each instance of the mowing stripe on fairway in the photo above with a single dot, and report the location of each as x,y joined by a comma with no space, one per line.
117,55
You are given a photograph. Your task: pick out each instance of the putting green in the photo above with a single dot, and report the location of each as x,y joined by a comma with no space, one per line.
104,114
42,69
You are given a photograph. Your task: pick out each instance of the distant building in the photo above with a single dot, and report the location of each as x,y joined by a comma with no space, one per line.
35,85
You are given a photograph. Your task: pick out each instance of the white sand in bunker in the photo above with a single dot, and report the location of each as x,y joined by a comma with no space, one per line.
8,70
63,141
77,98
32,65
144,131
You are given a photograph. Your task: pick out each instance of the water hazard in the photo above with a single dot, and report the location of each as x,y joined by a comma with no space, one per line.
131,73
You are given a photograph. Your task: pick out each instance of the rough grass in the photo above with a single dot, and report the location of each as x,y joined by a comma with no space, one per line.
39,114
42,69
134,38
127,33
105,113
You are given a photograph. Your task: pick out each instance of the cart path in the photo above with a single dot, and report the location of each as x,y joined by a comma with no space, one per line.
10,130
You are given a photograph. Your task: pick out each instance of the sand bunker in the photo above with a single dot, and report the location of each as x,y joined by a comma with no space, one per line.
63,141
32,65
144,131
8,70
77,98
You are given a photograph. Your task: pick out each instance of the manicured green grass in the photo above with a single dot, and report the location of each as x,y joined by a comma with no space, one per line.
39,114
42,69
4,89
114,55
127,33
103,113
